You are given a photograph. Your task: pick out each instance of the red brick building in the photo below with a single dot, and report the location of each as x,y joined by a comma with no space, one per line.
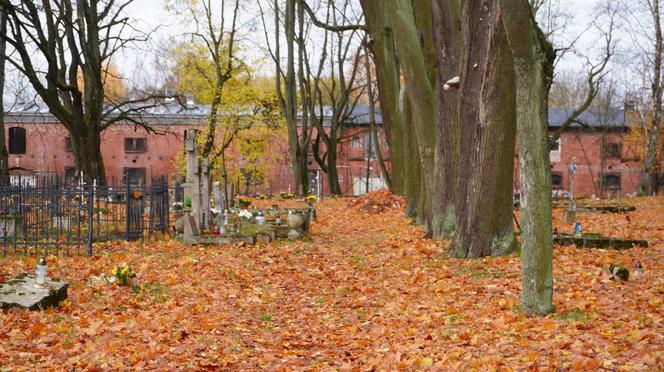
38,143
596,141
356,165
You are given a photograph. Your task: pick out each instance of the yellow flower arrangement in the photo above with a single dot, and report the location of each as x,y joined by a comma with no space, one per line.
124,274
244,201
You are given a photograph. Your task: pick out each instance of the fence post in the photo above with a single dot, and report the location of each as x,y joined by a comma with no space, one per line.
127,207
91,212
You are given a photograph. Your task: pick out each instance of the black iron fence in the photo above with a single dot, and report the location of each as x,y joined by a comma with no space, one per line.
47,216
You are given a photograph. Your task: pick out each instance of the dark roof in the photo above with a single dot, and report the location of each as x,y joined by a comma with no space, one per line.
167,112
361,115
358,116
590,118
174,112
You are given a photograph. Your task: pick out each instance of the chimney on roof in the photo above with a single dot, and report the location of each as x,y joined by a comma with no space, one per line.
190,100
169,95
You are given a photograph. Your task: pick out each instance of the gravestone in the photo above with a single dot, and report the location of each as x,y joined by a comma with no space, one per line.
218,196
205,194
569,215
65,222
179,224
11,226
293,235
192,189
22,292
191,231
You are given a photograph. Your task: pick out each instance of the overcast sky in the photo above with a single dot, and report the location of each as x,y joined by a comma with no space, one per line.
151,14
137,64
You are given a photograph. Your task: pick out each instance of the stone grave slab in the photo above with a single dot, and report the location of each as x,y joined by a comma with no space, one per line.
597,241
21,292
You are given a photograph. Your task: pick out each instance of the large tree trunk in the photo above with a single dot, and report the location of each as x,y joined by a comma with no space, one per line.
647,179
417,72
86,146
487,114
332,173
298,154
533,61
4,155
410,158
446,34
388,77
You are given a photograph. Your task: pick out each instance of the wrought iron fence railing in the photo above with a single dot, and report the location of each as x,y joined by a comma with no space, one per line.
47,216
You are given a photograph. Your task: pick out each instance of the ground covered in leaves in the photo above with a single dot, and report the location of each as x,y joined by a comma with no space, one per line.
365,291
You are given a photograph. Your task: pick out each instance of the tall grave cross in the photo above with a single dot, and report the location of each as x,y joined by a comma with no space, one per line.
569,216
571,172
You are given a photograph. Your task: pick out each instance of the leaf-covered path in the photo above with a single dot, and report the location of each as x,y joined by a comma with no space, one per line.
366,291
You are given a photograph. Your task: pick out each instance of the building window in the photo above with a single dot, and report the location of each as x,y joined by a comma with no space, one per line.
555,147
556,180
135,144
134,176
612,181
16,140
70,175
613,150
370,152
68,146
356,143
554,153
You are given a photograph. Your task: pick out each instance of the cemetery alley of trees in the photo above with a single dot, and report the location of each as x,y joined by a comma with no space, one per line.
331,185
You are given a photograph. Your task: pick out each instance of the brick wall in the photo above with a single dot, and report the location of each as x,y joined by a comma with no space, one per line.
46,149
46,152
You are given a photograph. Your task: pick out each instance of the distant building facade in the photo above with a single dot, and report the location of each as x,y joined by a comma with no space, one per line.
38,144
597,142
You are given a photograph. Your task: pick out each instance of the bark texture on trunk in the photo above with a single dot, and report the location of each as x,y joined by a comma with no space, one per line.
413,54
4,155
446,35
647,179
488,125
387,75
533,62
86,147
332,174
298,154
411,159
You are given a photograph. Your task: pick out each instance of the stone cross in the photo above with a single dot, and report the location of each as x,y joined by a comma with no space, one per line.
205,194
218,197
193,188
571,172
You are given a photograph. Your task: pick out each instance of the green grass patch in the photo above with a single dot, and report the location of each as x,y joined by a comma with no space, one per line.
158,292
576,314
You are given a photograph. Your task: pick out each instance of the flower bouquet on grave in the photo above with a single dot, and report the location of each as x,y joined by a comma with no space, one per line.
244,201
125,276
246,214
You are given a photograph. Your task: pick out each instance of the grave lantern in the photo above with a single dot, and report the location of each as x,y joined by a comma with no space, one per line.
40,272
578,230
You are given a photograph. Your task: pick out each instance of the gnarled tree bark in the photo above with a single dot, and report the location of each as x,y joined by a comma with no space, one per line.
533,64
